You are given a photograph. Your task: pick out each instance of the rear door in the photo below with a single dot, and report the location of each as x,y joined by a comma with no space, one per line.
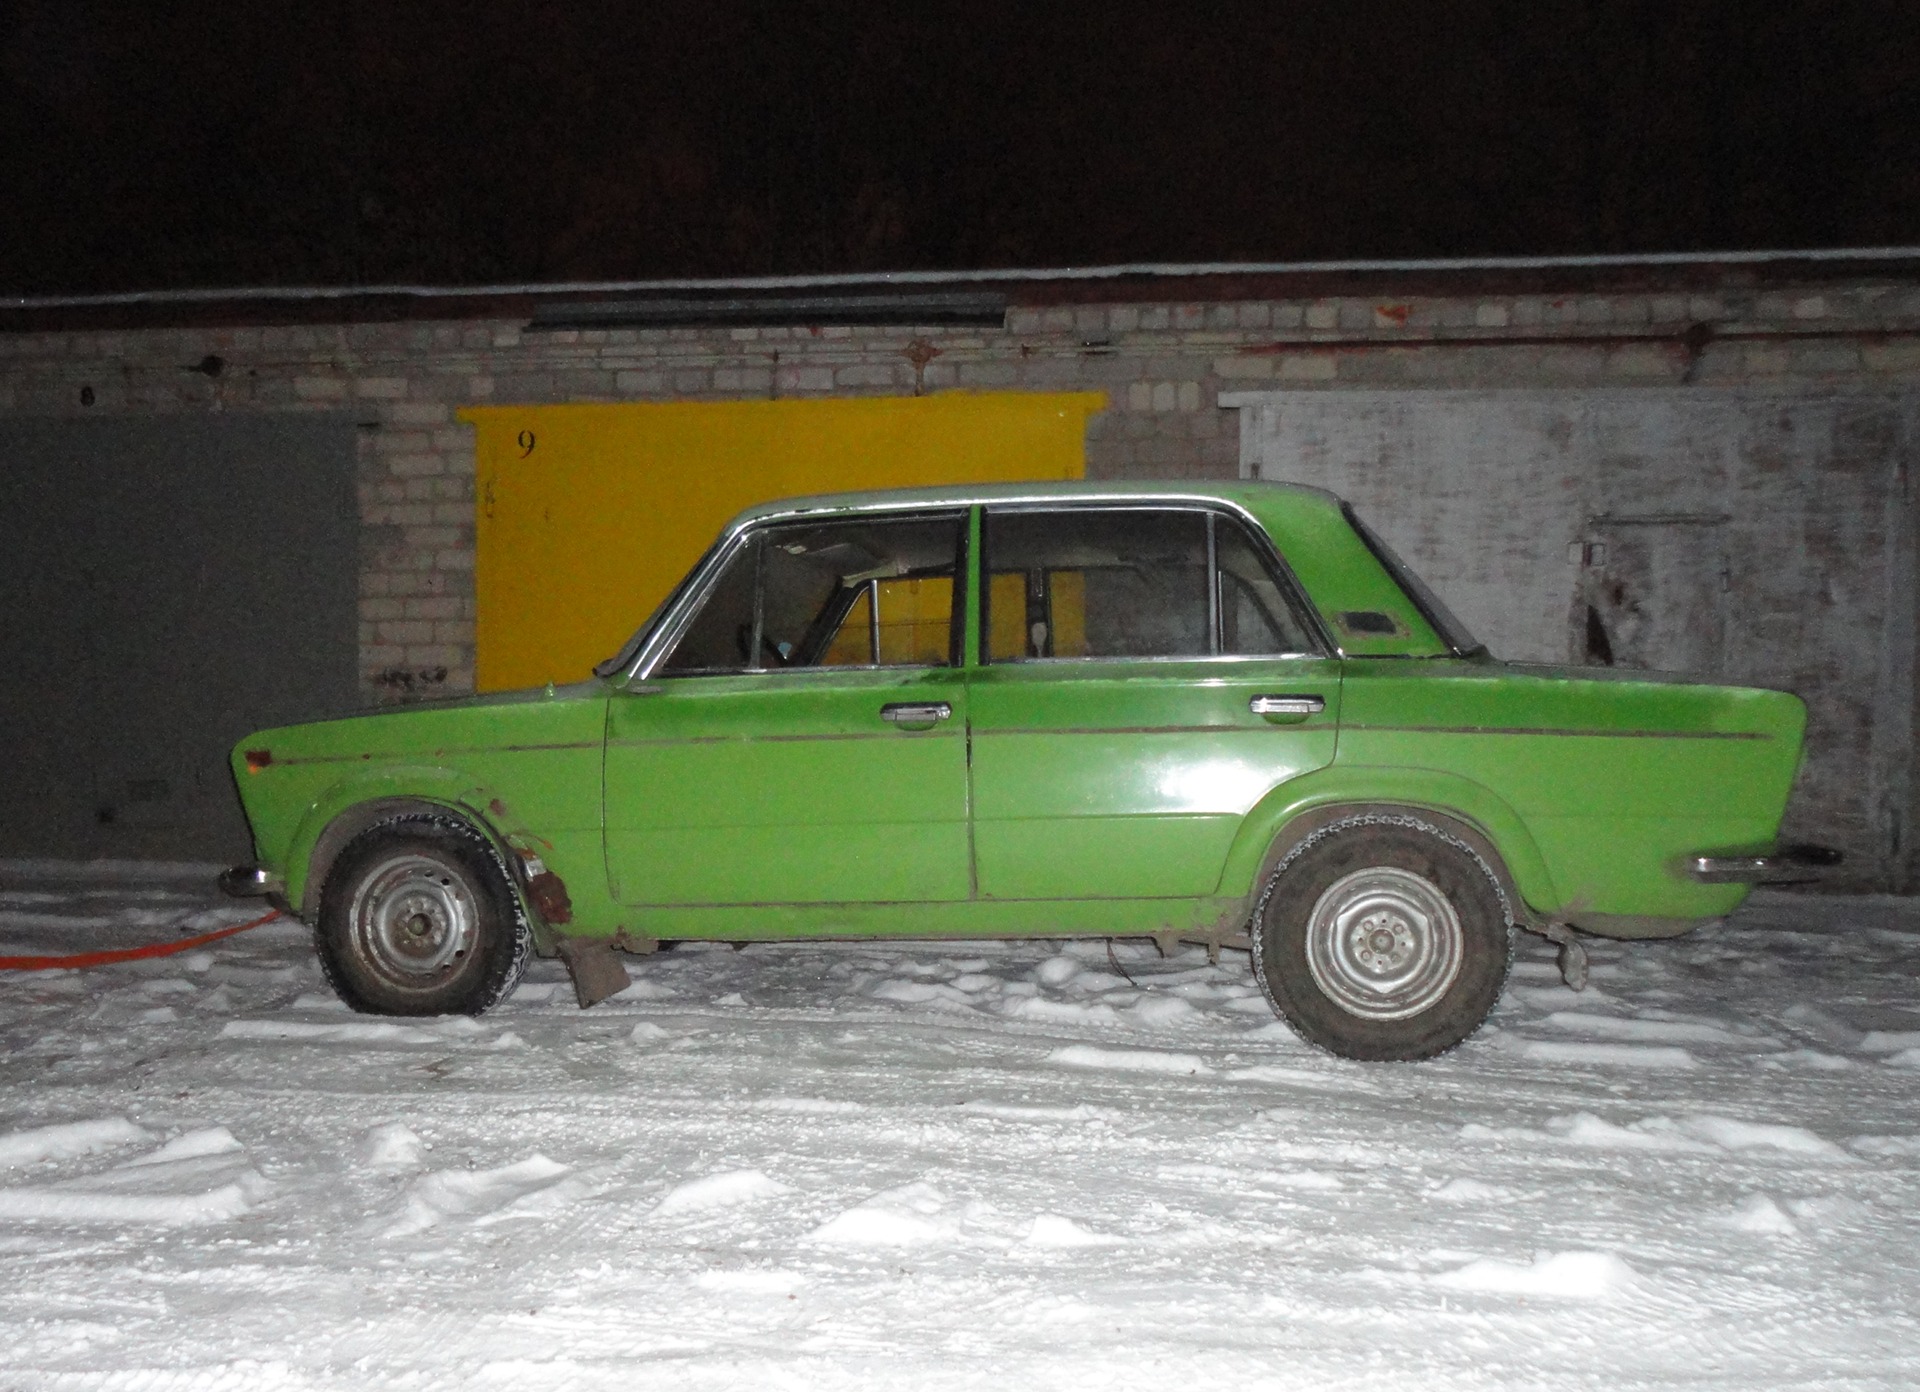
1146,678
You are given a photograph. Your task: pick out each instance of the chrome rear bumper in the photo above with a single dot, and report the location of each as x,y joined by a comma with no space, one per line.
1792,864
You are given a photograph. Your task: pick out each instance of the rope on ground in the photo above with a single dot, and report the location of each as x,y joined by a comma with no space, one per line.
129,954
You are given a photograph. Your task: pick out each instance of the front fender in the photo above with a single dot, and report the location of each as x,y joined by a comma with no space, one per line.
1336,785
390,783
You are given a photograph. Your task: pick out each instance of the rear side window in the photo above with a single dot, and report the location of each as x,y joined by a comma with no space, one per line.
1365,623
1131,583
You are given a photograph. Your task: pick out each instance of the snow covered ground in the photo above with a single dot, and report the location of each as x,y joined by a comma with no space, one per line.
952,1165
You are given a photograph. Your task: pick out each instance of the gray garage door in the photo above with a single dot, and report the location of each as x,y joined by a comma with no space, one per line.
1760,537
166,585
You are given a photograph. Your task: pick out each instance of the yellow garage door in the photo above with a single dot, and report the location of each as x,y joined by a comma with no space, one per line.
588,515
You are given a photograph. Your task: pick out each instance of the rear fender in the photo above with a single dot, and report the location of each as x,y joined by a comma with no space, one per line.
1302,804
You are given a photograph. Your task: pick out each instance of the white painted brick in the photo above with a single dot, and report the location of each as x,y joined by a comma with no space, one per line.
320,388
1323,314
1641,360
1243,368
805,379
1492,314
381,388
1189,396
1307,367
1140,396
1165,396
1894,355
758,380
418,413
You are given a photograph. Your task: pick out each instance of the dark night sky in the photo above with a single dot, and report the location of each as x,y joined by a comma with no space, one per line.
330,141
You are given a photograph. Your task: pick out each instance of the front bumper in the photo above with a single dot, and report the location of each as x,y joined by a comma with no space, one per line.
1791,864
249,882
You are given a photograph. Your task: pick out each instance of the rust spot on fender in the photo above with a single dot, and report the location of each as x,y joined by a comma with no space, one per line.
550,899
258,759
497,807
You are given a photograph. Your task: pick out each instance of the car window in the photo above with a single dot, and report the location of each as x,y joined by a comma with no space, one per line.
858,592
1364,623
1096,583
1256,617
1131,582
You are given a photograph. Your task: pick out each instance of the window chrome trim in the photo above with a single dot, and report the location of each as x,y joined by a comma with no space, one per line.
1292,591
1163,659
650,645
695,589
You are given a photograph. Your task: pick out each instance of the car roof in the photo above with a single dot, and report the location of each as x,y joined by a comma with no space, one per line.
1249,494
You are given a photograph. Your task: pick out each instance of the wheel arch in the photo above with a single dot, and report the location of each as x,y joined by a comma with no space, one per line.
350,808
1479,817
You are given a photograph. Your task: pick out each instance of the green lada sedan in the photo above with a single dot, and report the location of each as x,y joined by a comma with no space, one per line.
1220,713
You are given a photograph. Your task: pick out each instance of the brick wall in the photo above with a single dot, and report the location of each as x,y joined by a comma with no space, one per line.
1163,367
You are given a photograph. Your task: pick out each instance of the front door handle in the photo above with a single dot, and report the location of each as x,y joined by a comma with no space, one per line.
1286,708
916,715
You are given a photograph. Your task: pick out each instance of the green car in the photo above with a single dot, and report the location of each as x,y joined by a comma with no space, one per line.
1214,713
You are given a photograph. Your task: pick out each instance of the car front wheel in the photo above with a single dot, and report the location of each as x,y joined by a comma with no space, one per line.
1383,936
417,918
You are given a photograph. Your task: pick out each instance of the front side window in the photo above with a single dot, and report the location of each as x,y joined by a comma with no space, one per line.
860,592
1131,582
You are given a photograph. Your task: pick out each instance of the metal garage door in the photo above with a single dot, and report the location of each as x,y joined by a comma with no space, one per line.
1744,535
166,585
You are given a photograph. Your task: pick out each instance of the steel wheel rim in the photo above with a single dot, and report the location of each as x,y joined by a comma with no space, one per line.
415,920
1384,943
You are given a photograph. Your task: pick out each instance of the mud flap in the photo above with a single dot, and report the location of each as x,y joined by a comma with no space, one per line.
595,967
1573,957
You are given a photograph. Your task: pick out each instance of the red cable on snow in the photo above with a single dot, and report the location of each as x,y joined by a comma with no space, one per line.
129,954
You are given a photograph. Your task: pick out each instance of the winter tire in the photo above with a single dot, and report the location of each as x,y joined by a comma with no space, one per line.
1383,937
417,917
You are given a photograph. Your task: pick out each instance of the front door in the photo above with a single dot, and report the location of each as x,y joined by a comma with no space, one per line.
1147,678
804,740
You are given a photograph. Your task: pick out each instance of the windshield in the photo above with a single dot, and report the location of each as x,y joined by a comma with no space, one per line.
1452,632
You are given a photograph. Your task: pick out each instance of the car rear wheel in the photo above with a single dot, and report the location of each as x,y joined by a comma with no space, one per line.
417,917
1383,936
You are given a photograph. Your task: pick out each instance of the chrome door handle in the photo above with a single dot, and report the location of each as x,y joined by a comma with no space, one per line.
922,713
1297,706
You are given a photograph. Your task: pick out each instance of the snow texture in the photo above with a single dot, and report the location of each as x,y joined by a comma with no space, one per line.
951,1165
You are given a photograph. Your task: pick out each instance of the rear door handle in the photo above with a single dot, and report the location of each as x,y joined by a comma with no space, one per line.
916,715
1287,707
